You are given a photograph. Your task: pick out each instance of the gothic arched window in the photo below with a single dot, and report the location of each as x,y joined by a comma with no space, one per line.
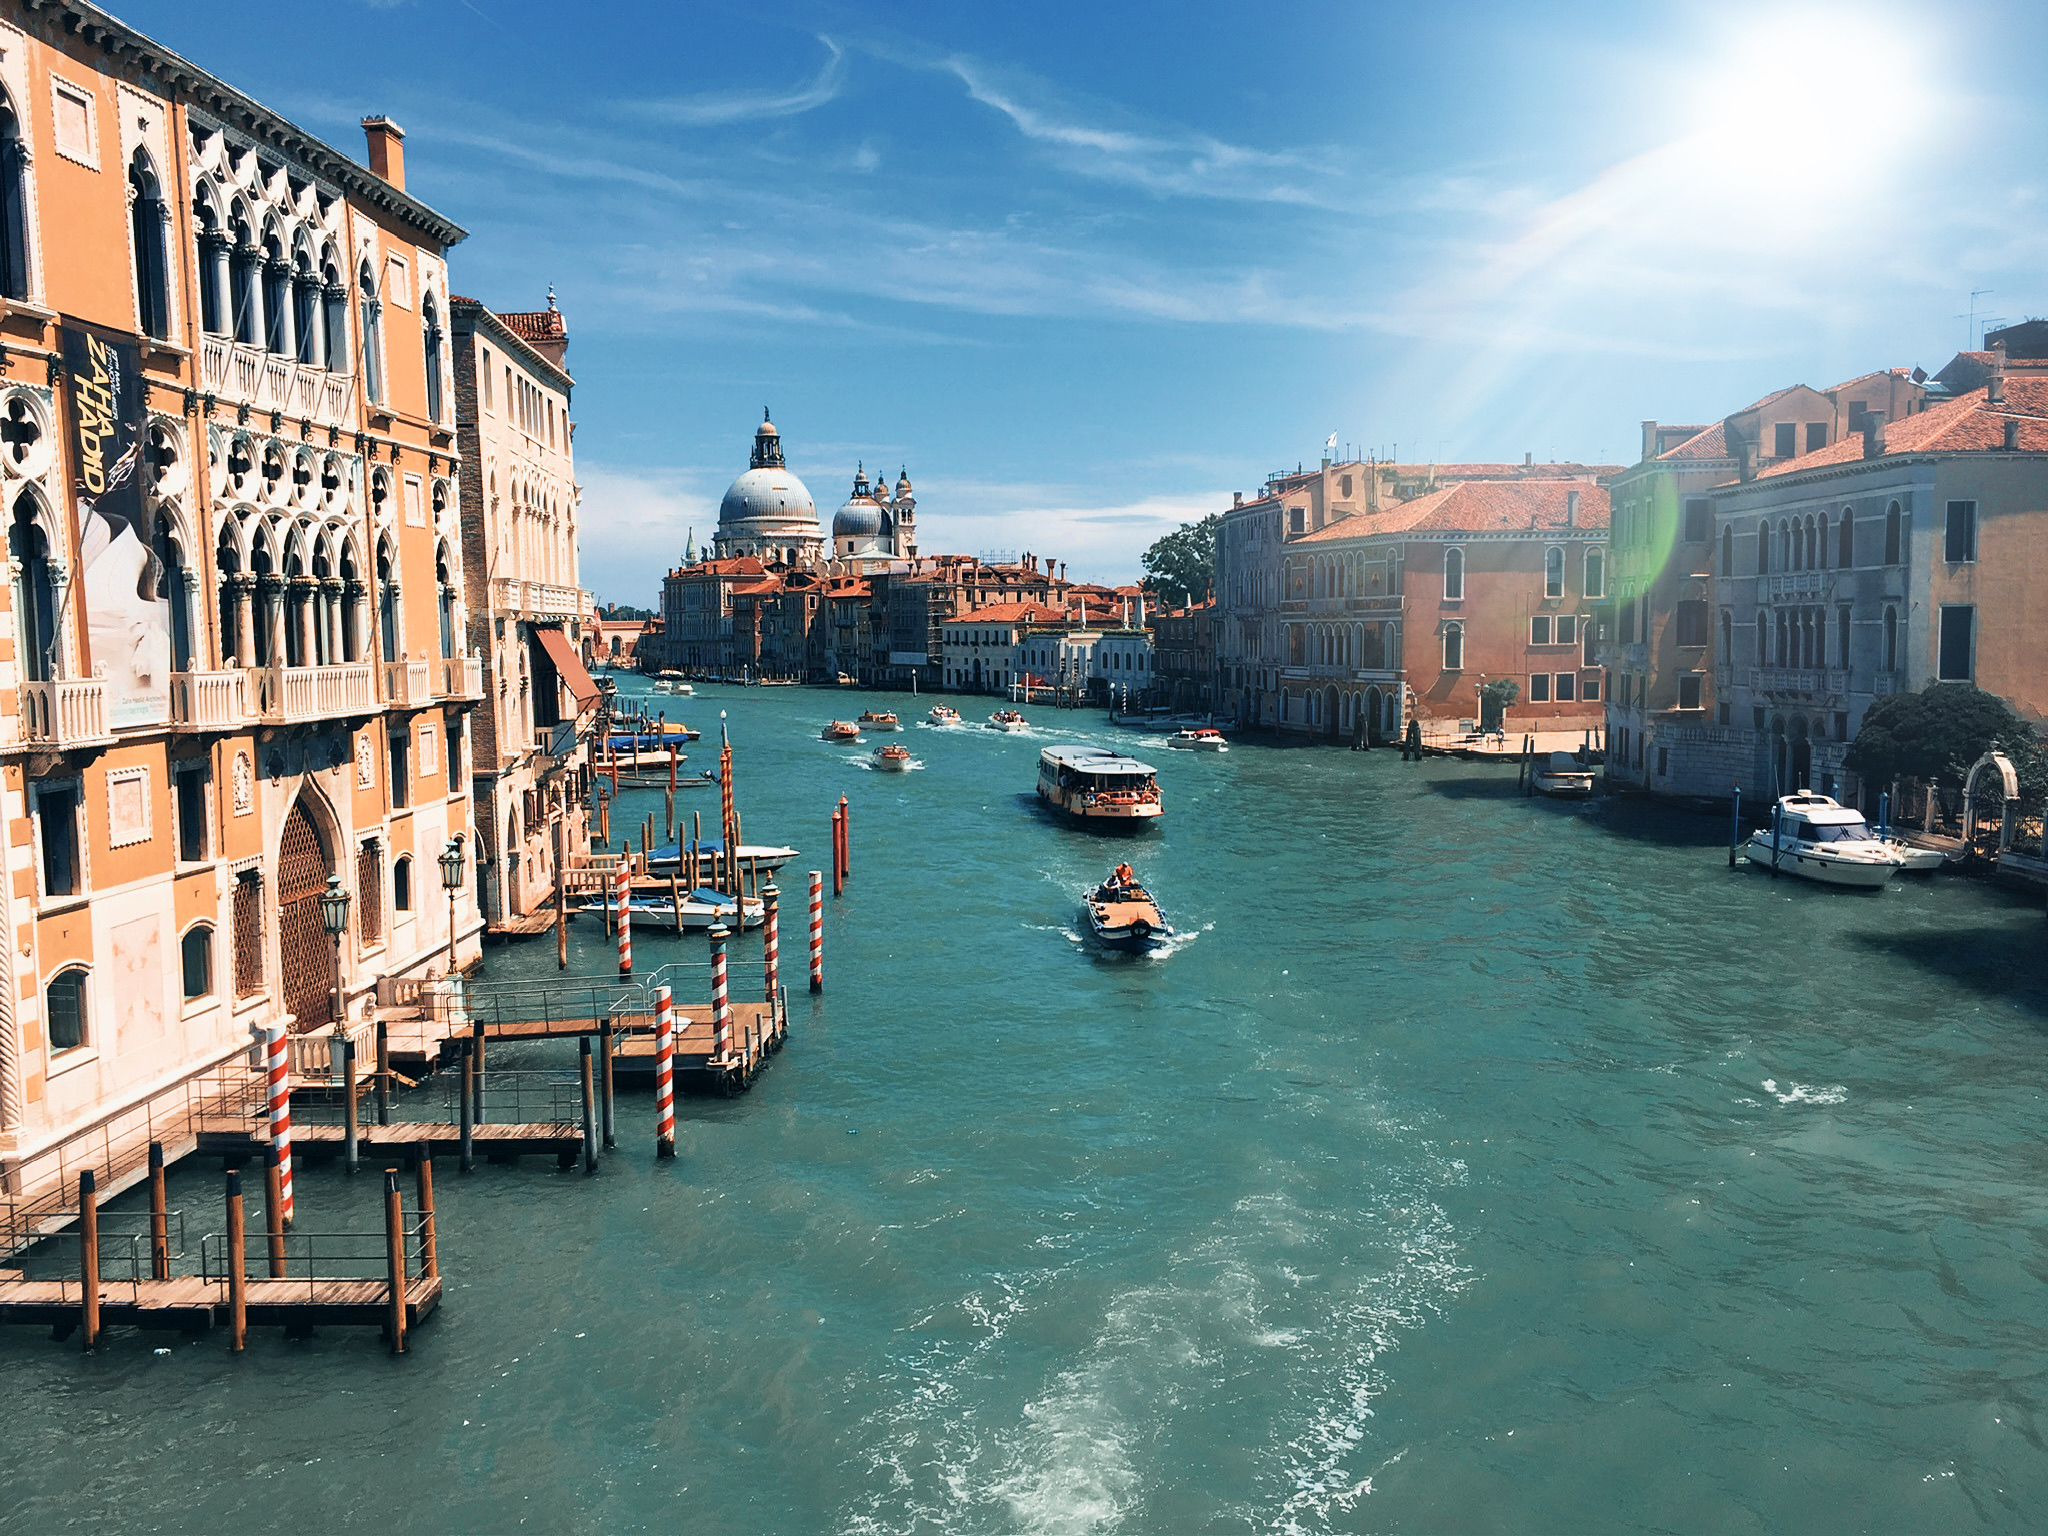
147,224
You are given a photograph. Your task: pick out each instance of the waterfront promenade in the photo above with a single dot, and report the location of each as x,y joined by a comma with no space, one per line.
1471,1163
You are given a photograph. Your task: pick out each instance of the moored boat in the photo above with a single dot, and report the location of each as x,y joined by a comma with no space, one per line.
1562,776
880,720
940,714
841,731
1123,915
1200,739
700,908
892,759
763,856
1008,720
1818,839
1099,787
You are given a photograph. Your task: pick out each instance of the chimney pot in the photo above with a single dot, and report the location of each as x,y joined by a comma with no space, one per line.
387,149
2012,433
1571,509
1237,498
1649,441
1994,393
1528,459
1873,437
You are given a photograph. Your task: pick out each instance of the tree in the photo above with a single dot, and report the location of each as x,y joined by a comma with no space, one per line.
1183,562
1936,734
1495,699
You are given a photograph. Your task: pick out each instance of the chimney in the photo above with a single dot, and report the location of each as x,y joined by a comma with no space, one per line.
387,149
1873,436
1995,390
1528,460
1237,498
1748,458
2012,434
1649,441
1571,509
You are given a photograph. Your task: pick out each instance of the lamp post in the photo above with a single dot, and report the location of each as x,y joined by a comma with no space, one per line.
334,918
451,882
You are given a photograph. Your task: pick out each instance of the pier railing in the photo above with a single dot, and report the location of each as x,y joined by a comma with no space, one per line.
126,1254
313,1259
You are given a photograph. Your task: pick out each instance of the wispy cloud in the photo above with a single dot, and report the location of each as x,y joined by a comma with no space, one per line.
634,523
713,108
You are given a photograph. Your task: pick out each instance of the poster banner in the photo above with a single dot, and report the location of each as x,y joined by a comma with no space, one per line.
127,622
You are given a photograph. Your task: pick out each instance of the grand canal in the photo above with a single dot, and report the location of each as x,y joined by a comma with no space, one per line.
1471,1163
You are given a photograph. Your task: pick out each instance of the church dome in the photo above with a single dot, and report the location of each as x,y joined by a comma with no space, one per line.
767,494
768,508
858,519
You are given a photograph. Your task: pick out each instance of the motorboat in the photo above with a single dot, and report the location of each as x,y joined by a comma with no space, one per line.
1816,838
1200,739
1562,776
1099,787
842,731
1123,915
699,908
711,852
1008,720
941,714
879,721
1913,859
892,759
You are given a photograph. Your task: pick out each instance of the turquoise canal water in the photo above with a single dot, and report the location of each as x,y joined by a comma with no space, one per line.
1471,1163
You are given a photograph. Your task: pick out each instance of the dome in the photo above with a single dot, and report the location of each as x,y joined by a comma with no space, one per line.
772,495
860,518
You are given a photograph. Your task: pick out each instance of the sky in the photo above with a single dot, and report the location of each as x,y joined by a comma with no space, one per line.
1086,269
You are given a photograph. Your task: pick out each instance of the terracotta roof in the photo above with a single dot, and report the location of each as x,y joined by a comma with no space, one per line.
535,324
1970,424
738,565
1008,613
1478,506
1712,443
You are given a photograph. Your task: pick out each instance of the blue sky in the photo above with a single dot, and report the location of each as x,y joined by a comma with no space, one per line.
1086,269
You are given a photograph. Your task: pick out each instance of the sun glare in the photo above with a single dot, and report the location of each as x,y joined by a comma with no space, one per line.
1834,81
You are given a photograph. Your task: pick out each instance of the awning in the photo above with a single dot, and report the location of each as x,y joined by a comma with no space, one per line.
570,666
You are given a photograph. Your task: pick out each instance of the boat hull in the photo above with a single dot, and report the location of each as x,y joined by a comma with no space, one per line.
1806,865
1101,818
1564,786
892,765
1118,929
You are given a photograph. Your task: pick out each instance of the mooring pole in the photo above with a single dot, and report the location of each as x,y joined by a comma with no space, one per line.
476,1037
273,1210
466,1112
348,1105
89,1257
604,1043
589,1104
771,939
430,1257
159,1216
394,1256
1777,836
383,1073
238,1296
817,931
1735,826
664,1074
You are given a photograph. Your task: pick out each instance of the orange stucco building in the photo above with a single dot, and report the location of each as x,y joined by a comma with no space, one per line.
234,660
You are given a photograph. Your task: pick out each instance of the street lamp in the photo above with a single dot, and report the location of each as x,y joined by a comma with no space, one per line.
451,882
334,918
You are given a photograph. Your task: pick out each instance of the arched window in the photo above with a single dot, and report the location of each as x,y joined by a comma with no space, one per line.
1454,647
1454,575
334,309
1821,543
213,269
1784,637
1727,637
244,293
1553,572
387,602
147,225
1845,556
373,335
13,205
35,593
277,299
227,562
64,1010
306,316
444,583
195,952
1763,639
1763,548
171,590
1891,639
430,335
1727,549
1893,533
401,884
1788,546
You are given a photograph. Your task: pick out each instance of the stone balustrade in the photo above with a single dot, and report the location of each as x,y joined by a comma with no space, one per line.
286,695
408,684
209,701
66,713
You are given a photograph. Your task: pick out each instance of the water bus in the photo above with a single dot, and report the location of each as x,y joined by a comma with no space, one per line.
1099,787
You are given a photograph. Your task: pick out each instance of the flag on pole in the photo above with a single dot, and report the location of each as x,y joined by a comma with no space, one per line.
1332,441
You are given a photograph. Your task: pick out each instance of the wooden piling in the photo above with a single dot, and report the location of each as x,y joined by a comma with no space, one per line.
468,1075
605,1047
669,812
238,1290
1734,826
383,1073
394,1256
349,1137
430,1255
604,813
561,893
89,1257
838,868
477,1108
273,1209
675,898
589,1104
159,1216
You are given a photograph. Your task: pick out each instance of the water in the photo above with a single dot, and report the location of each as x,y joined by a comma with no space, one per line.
1469,1163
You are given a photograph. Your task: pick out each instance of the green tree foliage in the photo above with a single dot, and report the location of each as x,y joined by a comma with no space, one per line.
1184,561
1495,698
1936,734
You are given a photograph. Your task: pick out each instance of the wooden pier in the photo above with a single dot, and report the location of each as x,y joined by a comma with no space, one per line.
195,1303
245,1141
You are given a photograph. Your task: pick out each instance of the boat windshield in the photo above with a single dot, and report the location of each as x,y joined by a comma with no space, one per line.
1839,832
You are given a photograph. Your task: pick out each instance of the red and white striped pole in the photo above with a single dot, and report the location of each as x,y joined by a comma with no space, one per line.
771,938
277,1061
721,1006
664,1074
625,887
817,931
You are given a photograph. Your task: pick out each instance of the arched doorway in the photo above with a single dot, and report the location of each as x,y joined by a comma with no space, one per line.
1330,711
1375,722
1802,755
304,950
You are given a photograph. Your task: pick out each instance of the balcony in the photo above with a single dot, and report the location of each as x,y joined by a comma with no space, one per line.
64,714
463,678
245,375
408,684
1790,585
1803,681
538,599
287,695
209,701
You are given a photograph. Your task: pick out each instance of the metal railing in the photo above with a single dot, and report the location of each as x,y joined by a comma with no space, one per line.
126,1254
312,1258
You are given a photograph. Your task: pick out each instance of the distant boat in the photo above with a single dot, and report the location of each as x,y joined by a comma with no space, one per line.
1818,839
1201,739
766,856
1008,720
1562,776
892,759
843,731
882,721
940,714
700,908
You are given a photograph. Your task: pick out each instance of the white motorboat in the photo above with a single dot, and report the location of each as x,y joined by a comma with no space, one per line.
1818,839
700,908
1561,775
710,852
1913,859
940,714
1008,720
1200,739
878,720
892,759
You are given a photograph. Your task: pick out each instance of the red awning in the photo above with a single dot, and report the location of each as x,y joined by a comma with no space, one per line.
570,666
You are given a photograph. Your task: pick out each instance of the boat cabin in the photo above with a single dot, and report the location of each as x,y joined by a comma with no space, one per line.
1097,784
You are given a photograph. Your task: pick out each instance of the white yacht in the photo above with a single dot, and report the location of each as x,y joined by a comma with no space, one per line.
1818,839
1562,776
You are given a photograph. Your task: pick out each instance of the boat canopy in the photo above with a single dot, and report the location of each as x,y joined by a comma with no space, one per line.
1099,761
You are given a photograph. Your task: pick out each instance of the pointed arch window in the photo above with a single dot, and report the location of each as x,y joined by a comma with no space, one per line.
147,225
373,335
1763,548
387,603
334,313
14,272
445,591
35,592
244,288
172,589
277,300
430,336
1553,572
306,317
1894,536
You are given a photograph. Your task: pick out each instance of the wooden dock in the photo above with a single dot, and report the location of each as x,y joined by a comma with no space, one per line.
757,1033
194,1303
246,1140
